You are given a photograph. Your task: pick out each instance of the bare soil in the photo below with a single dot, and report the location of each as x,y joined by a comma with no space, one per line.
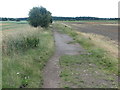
106,29
3,24
8,30
52,69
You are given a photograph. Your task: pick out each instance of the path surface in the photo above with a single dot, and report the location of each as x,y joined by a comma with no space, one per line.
52,69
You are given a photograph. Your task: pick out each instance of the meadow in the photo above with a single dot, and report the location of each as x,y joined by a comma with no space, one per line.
25,50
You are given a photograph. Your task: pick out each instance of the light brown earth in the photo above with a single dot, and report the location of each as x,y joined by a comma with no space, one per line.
106,29
3,24
52,69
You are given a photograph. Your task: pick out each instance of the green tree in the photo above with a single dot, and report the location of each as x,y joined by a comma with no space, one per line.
39,16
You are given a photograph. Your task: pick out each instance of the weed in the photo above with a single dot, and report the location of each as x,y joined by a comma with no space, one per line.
25,53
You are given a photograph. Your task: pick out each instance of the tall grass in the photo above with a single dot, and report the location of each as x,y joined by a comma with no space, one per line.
22,44
25,52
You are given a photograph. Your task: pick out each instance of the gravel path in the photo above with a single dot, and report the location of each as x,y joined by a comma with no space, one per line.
52,69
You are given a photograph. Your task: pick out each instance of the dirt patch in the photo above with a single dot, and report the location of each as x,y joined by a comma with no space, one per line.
88,22
1,24
106,30
110,24
52,69
99,23
8,30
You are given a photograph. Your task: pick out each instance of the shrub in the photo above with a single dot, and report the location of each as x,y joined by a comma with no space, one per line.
21,44
39,16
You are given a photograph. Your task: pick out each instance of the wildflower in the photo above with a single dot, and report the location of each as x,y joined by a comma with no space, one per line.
18,73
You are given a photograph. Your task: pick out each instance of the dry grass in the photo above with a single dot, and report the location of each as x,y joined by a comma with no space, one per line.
18,31
23,63
103,42
16,34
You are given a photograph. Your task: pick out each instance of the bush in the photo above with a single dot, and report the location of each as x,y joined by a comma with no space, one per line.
17,20
21,44
39,16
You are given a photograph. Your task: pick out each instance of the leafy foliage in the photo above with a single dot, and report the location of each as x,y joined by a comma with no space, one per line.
39,16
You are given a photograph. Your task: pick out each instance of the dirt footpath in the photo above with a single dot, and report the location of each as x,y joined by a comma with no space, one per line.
52,69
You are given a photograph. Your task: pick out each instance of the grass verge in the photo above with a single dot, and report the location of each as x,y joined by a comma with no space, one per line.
24,57
102,64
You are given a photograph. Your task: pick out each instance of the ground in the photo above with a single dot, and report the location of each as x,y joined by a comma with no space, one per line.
100,28
52,70
72,67
79,59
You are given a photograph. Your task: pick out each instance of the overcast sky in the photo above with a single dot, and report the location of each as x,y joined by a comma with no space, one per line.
67,8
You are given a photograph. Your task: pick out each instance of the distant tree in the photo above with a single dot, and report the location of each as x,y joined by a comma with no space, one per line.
39,16
4,19
0,19
12,19
17,20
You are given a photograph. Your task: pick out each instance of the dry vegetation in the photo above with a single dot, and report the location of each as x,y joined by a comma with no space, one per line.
25,51
103,42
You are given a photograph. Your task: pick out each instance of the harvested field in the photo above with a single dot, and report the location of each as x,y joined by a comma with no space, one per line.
102,28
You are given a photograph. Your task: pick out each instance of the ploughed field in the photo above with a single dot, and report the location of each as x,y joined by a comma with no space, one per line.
105,28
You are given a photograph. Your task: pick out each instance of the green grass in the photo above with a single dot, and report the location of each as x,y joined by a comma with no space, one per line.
24,57
73,66
13,25
73,74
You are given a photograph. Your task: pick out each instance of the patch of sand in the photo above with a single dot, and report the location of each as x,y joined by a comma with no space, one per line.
8,30
110,24
3,24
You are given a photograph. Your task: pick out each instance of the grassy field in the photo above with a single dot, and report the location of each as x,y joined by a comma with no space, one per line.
8,25
98,60
25,50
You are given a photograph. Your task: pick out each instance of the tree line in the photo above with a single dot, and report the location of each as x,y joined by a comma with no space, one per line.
81,18
12,19
55,18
